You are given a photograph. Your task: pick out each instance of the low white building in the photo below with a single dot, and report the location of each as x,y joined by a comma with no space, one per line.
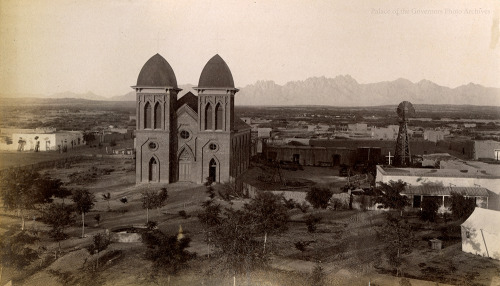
475,178
42,140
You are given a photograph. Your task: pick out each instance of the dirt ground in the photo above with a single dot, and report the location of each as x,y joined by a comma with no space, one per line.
345,243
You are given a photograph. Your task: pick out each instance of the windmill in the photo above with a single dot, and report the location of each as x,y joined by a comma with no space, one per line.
402,157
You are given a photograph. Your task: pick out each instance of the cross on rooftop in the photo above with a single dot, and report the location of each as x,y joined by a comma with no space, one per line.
389,157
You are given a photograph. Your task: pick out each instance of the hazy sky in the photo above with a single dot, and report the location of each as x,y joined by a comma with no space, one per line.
50,46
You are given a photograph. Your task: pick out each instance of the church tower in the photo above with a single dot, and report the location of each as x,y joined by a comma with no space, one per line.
156,97
215,119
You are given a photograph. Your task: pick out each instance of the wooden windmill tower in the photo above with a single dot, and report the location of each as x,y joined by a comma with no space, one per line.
402,157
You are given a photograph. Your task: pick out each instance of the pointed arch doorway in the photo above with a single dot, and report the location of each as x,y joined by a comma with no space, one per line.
185,163
153,170
212,170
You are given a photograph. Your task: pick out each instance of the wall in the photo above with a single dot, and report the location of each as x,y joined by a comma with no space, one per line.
485,149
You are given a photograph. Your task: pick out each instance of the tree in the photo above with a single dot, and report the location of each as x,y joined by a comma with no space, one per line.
399,239
14,249
23,189
430,207
161,198
269,214
391,195
234,238
461,207
84,202
153,200
167,253
88,137
319,197
211,213
59,217
100,243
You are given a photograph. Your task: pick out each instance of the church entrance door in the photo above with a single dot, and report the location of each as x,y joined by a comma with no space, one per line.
212,171
185,161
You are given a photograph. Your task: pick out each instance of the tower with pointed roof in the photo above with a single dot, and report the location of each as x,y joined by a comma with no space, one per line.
156,98
194,138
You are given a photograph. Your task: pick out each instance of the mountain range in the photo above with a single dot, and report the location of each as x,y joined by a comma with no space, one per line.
342,90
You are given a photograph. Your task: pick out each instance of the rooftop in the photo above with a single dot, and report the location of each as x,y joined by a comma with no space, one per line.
157,72
190,99
445,191
425,172
216,74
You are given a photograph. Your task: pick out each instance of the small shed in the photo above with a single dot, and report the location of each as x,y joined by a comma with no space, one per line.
481,233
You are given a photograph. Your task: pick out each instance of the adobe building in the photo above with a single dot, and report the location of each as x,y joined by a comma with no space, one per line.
191,138
481,181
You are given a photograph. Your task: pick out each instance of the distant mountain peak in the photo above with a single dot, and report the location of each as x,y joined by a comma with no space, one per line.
343,90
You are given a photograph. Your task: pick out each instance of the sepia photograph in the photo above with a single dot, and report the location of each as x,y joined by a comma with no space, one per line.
249,142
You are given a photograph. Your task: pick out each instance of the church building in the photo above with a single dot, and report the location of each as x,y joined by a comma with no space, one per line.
191,138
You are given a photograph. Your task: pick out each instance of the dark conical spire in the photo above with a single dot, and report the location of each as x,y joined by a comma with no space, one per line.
215,74
157,72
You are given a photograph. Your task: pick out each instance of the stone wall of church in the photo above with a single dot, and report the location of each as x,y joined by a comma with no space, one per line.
213,146
187,138
240,153
155,136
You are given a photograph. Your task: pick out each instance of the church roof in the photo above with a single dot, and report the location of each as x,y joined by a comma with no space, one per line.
240,124
157,72
216,73
190,99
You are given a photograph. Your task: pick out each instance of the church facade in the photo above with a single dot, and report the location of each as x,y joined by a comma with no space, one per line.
191,138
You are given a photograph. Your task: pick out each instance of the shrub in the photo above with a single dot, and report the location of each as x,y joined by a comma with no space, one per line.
461,207
303,207
289,203
338,204
318,276
183,214
429,210
311,222
319,197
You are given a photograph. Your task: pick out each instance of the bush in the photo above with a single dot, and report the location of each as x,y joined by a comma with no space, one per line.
338,204
311,222
319,197
429,210
318,276
289,203
100,243
183,214
303,207
461,207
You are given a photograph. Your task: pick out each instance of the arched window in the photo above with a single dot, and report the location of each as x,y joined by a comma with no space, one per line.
208,117
157,116
147,115
153,170
218,117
